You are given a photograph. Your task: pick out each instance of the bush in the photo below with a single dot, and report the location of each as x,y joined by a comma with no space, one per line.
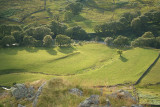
39,32
28,41
8,40
68,16
148,35
38,43
47,41
121,41
75,8
63,40
18,35
109,41
57,27
158,42
77,33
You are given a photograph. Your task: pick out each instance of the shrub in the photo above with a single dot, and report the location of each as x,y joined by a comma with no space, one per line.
8,40
38,43
28,41
18,35
68,16
57,27
109,41
75,8
77,33
148,35
47,41
63,40
121,41
39,32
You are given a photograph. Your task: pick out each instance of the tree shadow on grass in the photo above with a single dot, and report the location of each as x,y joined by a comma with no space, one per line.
51,51
9,71
123,59
66,49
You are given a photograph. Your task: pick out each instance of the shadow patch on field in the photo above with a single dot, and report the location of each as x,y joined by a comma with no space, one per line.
66,49
70,55
31,49
123,59
9,71
51,51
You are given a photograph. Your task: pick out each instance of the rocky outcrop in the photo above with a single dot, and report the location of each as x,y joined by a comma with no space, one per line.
19,105
37,95
76,91
92,101
122,94
21,91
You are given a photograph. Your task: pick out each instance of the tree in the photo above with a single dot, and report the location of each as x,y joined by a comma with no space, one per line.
47,41
39,32
68,16
75,8
120,52
18,35
63,40
8,40
109,41
121,41
148,35
28,41
57,27
77,33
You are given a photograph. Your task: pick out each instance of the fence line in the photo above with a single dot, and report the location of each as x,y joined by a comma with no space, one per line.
143,75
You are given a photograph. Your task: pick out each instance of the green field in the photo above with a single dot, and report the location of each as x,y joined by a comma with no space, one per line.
89,65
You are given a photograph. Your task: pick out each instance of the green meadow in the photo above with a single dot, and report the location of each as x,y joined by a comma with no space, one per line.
91,64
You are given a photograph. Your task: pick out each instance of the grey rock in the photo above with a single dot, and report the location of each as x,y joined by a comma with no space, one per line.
122,94
19,105
134,105
21,91
37,95
76,91
92,101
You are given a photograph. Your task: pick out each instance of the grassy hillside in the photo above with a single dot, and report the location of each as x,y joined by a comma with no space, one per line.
90,64
94,11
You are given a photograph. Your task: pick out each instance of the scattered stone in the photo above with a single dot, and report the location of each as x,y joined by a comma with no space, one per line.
134,105
21,91
76,91
92,101
19,105
122,94
37,95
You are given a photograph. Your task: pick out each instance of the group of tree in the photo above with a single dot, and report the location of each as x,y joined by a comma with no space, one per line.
131,24
146,40
40,35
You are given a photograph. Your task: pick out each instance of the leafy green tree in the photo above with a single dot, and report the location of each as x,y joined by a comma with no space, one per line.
47,41
68,16
77,33
120,52
8,40
146,40
121,41
63,40
75,8
136,24
148,35
109,41
57,27
39,32
18,35
28,41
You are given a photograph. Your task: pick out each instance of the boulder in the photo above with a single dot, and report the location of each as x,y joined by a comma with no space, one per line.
19,105
122,94
21,91
76,91
134,105
92,101
37,95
